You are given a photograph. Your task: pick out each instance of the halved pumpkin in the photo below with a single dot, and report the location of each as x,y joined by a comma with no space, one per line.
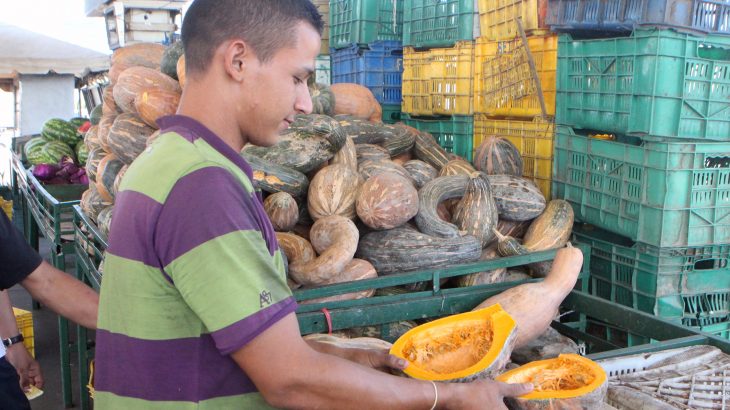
569,381
459,348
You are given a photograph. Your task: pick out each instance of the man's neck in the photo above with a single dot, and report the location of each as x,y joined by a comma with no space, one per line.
209,112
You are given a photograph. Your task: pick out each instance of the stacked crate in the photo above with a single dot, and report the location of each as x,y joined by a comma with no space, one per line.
438,75
366,49
642,152
515,83
322,64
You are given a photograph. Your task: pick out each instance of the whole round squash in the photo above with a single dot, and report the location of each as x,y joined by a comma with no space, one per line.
128,137
282,210
134,80
323,99
498,156
333,191
386,201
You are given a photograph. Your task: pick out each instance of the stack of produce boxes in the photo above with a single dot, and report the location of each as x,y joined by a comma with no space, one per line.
366,49
515,83
322,69
642,152
438,75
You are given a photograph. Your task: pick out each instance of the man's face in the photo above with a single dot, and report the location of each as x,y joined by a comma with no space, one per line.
275,91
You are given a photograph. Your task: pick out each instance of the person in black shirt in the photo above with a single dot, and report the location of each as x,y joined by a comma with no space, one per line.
21,264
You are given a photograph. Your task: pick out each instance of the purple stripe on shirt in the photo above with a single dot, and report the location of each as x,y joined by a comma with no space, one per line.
203,205
135,215
189,369
235,336
180,121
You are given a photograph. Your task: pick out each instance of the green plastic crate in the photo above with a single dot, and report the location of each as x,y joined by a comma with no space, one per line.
391,113
364,21
429,23
665,194
689,285
455,133
655,83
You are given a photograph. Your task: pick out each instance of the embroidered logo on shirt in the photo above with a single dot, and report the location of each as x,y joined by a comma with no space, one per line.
265,298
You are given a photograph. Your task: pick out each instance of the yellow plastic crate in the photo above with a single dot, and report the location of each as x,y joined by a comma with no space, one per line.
24,319
504,82
534,140
439,81
7,207
497,17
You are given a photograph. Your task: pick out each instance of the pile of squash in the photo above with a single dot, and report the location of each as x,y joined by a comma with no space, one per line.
145,84
391,197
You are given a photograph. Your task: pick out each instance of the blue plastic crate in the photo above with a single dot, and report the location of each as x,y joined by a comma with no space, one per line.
379,67
706,16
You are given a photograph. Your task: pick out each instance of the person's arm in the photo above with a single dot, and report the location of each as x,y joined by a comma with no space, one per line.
290,374
64,294
375,358
28,368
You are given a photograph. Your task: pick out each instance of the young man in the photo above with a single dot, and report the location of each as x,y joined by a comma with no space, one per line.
195,311
19,263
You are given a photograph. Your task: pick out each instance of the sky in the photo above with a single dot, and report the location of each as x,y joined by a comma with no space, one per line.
61,19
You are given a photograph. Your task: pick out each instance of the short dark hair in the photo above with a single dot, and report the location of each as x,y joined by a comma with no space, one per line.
265,25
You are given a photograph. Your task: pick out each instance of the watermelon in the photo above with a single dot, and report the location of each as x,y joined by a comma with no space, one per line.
50,153
57,129
32,149
78,121
82,153
172,53
96,115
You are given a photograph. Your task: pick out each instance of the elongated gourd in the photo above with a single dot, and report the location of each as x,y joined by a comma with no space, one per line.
476,213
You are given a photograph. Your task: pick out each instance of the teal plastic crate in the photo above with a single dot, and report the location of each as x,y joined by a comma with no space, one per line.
665,194
429,23
364,21
455,133
391,113
690,285
655,83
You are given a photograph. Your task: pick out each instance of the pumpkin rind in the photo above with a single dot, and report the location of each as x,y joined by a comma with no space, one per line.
333,191
518,199
310,141
363,131
432,340
92,203
371,152
550,230
282,210
357,269
588,396
274,178
387,200
323,99
153,104
428,150
457,167
402,141
498,156
104,220
140,54
420,171
118,180
356,100
347,155
128,137
335,238
485,277
405,249
296,248
430,196
135,80
476,213
515,229
369,169
106,174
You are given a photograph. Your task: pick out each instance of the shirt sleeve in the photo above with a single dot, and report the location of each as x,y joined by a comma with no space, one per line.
216,244
17,258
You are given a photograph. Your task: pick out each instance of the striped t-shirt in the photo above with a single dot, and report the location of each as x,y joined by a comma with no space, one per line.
193,272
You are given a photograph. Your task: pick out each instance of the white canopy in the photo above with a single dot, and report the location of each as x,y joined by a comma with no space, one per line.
26,52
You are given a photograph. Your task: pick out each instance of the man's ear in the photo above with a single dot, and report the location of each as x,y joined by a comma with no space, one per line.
236,55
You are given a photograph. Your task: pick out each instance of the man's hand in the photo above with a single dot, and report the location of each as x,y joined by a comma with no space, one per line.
377,359
28,368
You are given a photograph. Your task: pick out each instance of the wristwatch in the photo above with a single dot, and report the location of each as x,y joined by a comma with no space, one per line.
13,340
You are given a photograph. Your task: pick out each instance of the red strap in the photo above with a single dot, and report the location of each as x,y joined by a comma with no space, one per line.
329,320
